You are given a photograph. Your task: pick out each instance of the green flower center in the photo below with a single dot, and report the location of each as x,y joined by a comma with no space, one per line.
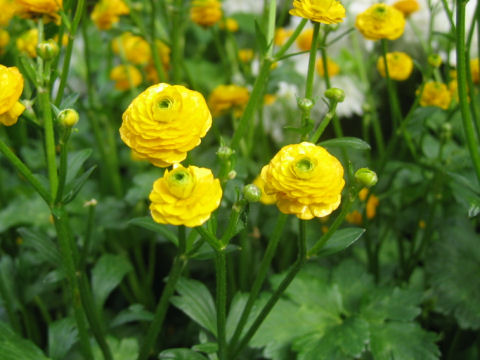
165,103
303,168
180,183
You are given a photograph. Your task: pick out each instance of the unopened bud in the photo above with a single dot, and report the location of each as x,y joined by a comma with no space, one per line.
232,174
224,152
305,104
68,117
47,49
435,60
446,132
335,94
366,177
252,193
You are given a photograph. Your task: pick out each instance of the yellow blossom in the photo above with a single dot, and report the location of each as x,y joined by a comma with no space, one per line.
27,42
164,56
355,218
475,69
135,48
164,122
363,193
407,7
269,99
125,77
371,207
322,11
281,35
108,12
332,68
400,65
453,89
265,199
245,55
229,24
305,179
31,8
226,97
435,94
64,39
4,40
185,196
304,40
9,8
206,13
10,91
381,21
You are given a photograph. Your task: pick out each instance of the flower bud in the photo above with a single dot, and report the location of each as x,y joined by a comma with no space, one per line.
68,117
232,174
252,193
335,94
435,60
305,104
47,49
366,177
446,132
225,153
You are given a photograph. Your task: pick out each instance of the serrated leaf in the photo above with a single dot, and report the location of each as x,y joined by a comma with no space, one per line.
148,223
180,354
341,240
14,347
196,301
62,335
45,248
75,162
402,341
74,187
347,142
107,275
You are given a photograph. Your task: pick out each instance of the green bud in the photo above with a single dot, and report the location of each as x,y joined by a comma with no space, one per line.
435,60
305,104
225,153
68,117
366,177
252,193
48,49
446,132
335,94
232,174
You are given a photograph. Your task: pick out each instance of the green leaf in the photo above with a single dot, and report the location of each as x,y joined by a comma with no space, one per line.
75,163
142,186
24,210
181,354
341,240
207,348
347,142
14,347
107,275
74,187
45,248
402,341
206,252
148,223
62,335
134,313
260,38
196,301
124,349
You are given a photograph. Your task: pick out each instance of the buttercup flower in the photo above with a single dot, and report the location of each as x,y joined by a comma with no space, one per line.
40,7
164,56
475,69
265,198
400,65
355,218
27,42
9,8
435,94
229,24
125,77
108,12
407,7
185,196
226,97
135,48
4,40
381,21
206,13
305,179
322,11
281,35
304,40
164,122
10,91
332,68
245,55
372,203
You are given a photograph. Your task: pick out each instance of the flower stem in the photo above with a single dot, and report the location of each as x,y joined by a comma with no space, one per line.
153,43
290,40
392,93
260,277
221,270
462,87
63,163
177,41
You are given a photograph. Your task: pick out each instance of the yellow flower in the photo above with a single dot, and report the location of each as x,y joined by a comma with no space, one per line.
4,40
185,196
135,48
164,56
322,11
125,77
475,69
226,97
206,13
108,12
363,193
245,55
305,179
355,218
371,207
381,21
27,42
407,7
164,122
304,40
435,94
40,7
10,91
229,24
64,39
9,8
400,65
332,68
269,99
265,199
281,35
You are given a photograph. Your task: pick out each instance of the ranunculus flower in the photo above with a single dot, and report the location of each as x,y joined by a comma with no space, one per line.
185,196
9,8
400,65
164,122
322,11
27,42
435,94
125,77
10,91
407,7
332,68
108,12
381,21
305,179
135,48
226,97
32,8
206,13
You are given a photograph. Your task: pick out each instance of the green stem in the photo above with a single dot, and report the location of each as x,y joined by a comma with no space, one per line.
462,88
63,163
290,40
221,301
25,171
177,41
232,224
301,259
260,277
88,234
324,123
392,93
153,43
